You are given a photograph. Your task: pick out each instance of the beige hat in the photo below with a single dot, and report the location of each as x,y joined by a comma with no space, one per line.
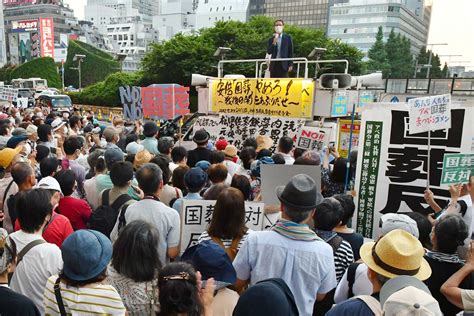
141,158
396,253
230,151
264,142
31,129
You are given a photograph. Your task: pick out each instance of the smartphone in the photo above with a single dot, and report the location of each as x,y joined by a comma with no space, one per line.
332,145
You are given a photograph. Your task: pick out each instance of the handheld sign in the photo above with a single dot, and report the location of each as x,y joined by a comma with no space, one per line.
430,113
311,138
197,215
457,168
22,103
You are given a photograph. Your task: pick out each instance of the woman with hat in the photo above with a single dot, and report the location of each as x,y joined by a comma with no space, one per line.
80,286
11,303
8,187
227,227
211,261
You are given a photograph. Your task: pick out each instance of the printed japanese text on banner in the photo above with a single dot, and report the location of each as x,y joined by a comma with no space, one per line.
269,97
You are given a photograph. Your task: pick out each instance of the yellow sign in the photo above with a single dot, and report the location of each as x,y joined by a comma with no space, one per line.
270,97
345,137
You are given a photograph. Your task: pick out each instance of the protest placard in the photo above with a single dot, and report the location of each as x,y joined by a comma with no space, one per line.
237,128
457,168
197,214
157,101
22,103
392,164
430,113
270,219
339,104
345,137
279,175
268,97
311,138
8,94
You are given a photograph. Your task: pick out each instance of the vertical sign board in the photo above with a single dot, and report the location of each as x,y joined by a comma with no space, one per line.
339,104
197,215
345,137
457,168
392,163
47,37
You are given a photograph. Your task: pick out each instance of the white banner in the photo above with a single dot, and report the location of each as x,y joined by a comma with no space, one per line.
430,113
197,215
311,138
8,94
392,163
237,128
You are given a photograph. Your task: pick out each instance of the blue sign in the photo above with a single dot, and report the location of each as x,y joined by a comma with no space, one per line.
339,105
394,99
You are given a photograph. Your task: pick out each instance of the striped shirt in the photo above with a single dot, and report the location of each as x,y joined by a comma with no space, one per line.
94,299
227,242
343,257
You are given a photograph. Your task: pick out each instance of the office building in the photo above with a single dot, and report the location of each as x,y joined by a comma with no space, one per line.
306,13
176,16
210,11
144,8
3,49
357,21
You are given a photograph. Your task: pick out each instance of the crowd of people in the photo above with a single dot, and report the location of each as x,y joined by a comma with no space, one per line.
91,224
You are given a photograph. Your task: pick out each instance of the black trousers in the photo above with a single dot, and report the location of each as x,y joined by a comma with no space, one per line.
277,70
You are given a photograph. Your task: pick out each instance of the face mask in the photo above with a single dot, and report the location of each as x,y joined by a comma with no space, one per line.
55,142
279,29
27,149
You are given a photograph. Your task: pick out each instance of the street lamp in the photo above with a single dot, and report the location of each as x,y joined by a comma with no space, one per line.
79,58
431,55
316,54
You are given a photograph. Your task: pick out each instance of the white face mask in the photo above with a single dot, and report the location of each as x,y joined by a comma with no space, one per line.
27,149
279,29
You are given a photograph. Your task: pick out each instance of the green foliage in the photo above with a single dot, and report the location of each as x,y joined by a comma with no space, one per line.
175,60
6,73
105,93
423,59
445,70
43,67
399,56
378,55
96,66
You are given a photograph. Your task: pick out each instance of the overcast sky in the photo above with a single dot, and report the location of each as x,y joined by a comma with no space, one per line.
451,23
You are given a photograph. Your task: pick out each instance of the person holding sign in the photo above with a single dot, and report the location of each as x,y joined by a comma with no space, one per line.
280,46
285,251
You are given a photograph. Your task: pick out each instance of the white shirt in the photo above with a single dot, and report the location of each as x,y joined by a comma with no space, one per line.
164,218
307,267
289,160
41,262
232,167
362,285
92,196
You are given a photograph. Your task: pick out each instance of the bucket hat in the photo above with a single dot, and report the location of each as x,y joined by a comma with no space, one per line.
300,192
201,136
86,253
263,142
195,178
7,155
396,253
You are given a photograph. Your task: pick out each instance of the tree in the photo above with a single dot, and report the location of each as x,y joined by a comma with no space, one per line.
378,55
43,67
445,70
175,60
423,58
399,55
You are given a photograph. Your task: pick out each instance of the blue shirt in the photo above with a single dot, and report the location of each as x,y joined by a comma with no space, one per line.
151,144
179,202
307,267
352,307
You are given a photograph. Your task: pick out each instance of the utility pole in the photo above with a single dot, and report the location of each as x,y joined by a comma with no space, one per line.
79,59
431,56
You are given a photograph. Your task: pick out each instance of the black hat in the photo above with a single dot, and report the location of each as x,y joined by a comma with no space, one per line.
300,192
150,129
201,136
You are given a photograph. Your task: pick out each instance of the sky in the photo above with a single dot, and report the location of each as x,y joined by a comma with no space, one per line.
451,23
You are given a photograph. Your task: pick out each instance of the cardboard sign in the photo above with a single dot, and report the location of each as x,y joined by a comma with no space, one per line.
237,128
197,215
22,103
268,97
279,175
345,137
457,168
47,37
311,138
392,164
430,113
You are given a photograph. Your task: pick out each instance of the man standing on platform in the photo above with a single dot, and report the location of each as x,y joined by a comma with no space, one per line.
280,46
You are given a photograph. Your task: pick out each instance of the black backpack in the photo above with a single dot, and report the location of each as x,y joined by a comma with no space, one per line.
103,219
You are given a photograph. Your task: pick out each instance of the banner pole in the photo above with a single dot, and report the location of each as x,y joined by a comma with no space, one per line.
429,162
348,164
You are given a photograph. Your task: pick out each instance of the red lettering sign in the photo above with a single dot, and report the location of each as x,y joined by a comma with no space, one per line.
47,37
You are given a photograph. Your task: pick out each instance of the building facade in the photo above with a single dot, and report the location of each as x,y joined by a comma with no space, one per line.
357,21
3,42
176,16
210,11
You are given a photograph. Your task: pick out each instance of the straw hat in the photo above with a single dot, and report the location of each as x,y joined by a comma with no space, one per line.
263,142
230,151
397,253
141,158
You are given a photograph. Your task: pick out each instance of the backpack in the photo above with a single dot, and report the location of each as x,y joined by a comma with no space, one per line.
335,242
104,217
232,250
351,274
11,205
372,303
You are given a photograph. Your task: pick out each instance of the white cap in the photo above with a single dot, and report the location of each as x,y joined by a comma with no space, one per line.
411,301
49,183
57,124
394,221
133,148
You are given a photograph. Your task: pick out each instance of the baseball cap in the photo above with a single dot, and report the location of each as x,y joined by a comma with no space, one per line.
133,148
49,183
7,155
15,140
394,221
86,253
195,178
112,155
203,164
406,295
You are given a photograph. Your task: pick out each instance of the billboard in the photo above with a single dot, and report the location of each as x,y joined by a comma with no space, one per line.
24,47
35,44
24,26
13,48
47,37
18,2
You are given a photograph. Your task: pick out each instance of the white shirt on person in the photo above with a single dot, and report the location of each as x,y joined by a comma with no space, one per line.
162,217
307,267
361,286
289,160
31,274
